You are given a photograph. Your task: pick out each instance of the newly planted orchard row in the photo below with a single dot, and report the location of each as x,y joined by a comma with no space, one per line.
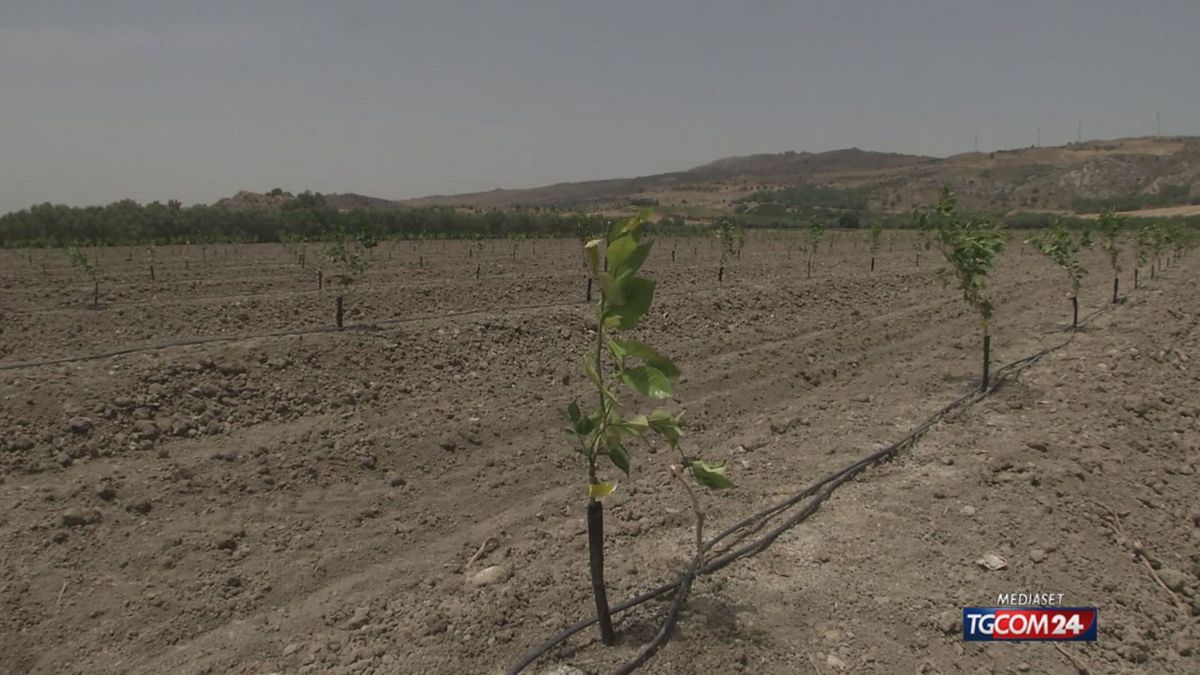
969,248
747,291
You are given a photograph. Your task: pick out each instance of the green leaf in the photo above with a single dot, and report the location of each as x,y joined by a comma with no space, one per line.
613,292
635,426
651,357
618,455
666,425
630,226
619,251
592,250
638,294
617,348
573,412
598,491
585,426
635,261
711,475
648,381
637,423
589,367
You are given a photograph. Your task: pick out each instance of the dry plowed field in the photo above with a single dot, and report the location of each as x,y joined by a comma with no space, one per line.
201,475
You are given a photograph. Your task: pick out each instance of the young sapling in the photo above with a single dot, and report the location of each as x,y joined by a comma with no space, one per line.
602,432
874,236
79,260
1063,247
341,253
969,247
816,230
1109,225
1142,243
728,246
475,250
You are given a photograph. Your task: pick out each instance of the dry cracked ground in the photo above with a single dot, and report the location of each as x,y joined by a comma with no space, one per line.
199,476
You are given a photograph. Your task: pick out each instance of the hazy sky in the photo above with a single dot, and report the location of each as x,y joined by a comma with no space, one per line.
104,99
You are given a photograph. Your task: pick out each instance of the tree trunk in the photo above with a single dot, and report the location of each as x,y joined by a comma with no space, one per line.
987,362
338,312
595,521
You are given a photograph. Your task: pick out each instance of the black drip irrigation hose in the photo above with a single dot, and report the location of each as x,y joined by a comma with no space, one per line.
364,328
360,329
818,491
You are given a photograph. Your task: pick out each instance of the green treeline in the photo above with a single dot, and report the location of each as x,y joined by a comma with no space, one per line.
306,217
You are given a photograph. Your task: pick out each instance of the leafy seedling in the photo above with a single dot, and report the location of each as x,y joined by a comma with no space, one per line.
79,260
1063,247
475,251
1109,226
920,242
1143,241
618,367
969,247
151,252
728,236
816,231
344,253
874,237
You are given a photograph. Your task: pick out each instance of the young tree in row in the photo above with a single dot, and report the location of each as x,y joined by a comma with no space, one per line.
1143,243
475,251
816,230
293,245
1159,240
1063,247
344,252
151,254
920,241
419,247
969,247
603,432
79,260
1109,226
874,236
729,245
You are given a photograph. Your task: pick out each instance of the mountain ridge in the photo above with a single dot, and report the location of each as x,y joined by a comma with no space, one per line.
1136,172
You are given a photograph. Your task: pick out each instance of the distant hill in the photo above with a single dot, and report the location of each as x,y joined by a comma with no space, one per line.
1125,174
1128,173
277,198
800,164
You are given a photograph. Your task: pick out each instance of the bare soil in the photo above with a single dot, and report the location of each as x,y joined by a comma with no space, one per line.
202,476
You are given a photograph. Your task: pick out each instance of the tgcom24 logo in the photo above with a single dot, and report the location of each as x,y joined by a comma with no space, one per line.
985,624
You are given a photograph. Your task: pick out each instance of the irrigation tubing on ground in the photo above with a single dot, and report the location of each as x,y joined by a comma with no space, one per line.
816,493
190,342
